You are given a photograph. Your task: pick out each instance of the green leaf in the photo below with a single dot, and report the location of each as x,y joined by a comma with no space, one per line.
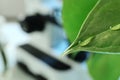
99,33
98,25
74,13
104,66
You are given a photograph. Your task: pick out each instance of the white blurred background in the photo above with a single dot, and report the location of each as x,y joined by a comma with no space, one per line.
51,40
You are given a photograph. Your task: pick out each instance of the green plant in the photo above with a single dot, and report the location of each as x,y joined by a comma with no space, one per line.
97,23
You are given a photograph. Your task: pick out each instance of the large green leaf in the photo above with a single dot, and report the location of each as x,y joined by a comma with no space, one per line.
74,13
97,34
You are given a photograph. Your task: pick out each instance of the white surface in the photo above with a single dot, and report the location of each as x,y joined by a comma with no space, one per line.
41,41
12,8
13,35
41,6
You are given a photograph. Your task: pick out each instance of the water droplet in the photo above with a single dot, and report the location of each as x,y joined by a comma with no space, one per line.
79,42
86,42
117,27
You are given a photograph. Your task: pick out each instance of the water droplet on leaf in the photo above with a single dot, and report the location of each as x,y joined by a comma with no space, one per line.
117,27
86,42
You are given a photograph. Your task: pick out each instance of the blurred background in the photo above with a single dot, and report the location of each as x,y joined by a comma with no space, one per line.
32,41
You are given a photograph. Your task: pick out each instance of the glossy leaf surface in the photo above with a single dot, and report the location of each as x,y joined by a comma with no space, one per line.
74,14
98,24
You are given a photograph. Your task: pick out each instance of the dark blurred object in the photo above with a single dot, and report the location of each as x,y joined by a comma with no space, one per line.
51,61
37,22
79,57
26,70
